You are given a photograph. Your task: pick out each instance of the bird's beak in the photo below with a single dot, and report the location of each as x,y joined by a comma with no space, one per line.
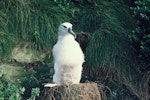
71,32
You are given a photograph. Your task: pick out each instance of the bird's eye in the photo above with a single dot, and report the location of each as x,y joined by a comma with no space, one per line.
64,26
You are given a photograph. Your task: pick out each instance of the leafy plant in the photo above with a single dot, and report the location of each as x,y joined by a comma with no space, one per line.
140,38
10,91
141,34
35,92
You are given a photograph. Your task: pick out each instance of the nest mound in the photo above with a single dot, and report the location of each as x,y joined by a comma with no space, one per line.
82,91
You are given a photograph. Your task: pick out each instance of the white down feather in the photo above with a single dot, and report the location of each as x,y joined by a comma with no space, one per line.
68,57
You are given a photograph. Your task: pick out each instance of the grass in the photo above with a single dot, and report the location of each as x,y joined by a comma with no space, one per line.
31,21
110,56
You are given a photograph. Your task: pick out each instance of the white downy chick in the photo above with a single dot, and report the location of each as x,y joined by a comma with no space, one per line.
68,57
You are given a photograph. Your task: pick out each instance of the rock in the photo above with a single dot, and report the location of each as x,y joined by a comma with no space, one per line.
12,72
82,91
27,55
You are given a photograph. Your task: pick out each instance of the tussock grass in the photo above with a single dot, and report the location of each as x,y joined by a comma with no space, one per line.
109,55
6,38
33,21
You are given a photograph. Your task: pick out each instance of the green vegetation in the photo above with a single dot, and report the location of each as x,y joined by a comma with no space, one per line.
33,21
141,34
117,55
9,91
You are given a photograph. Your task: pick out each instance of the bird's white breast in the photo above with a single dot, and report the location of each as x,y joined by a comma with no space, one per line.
68,52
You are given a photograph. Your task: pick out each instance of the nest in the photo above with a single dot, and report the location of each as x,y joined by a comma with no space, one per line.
82,91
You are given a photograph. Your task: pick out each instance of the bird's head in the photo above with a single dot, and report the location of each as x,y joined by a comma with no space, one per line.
65,28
